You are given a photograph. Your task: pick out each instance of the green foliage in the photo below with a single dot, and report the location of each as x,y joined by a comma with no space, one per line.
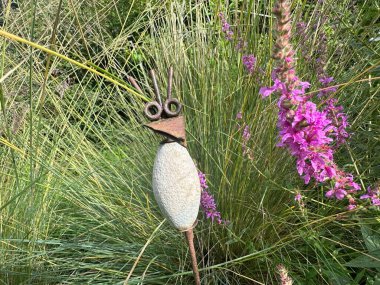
75,192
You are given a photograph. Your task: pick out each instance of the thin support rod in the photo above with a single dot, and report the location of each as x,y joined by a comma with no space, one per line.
190,239
155,85
170,82
134,84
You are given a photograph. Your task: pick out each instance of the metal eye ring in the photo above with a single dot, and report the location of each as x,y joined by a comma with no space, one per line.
168,103
153,111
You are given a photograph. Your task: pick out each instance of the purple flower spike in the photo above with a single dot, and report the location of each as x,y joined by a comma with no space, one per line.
208,202
308,132
226,27
326,80
249,62
241,45
209,207
202,179
246,133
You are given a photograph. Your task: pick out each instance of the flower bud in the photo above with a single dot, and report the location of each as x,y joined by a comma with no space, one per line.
286,104
290,115
303,123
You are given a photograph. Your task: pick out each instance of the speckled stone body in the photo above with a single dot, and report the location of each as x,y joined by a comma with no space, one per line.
176,185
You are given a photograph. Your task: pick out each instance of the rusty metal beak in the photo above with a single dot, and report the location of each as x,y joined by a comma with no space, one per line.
172,128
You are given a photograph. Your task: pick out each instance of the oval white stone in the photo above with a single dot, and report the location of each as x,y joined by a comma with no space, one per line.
176,185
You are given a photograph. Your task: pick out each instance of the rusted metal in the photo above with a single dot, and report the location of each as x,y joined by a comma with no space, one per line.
134,84
190,239
170,82
173,128
155,110
170,101
155,86
167,107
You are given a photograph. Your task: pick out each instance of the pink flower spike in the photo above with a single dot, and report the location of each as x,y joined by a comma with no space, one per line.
208,204
309,132
249,62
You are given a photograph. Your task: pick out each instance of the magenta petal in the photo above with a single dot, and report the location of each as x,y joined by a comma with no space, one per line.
298,197
329,194
305,84
296,92
306,178
300,169
340,194
330,171
355,186
351,207
366,196
266,91
326,80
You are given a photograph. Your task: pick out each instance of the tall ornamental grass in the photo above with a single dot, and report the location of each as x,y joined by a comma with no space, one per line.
75,198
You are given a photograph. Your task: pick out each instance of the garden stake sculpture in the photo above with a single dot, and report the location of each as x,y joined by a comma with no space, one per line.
176,185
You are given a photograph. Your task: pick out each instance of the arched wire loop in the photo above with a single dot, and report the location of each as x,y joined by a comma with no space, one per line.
153,110
167,107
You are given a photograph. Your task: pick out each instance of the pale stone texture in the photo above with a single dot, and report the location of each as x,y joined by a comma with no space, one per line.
176,185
